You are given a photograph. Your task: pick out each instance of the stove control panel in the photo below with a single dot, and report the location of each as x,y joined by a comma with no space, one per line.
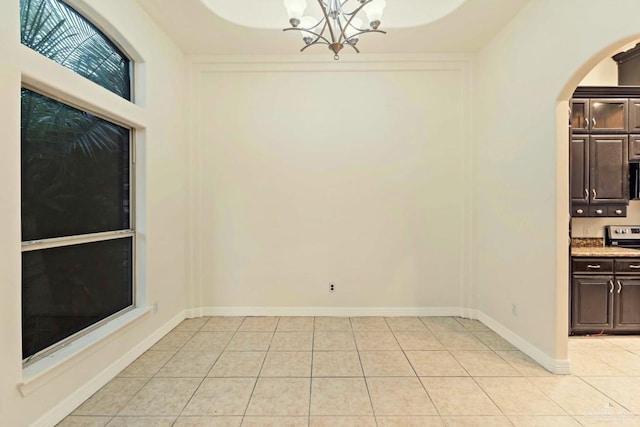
626,230
622,233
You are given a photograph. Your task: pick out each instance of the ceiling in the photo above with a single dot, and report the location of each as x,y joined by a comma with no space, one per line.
197,30
272,15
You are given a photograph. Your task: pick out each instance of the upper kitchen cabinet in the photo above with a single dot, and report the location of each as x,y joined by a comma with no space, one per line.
609,169
634,115
602,115
579,171
599,175
608,115
580,115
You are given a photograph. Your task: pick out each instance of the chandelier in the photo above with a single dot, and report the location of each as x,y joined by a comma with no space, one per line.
337,27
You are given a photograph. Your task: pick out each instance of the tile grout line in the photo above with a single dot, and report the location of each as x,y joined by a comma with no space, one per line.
313,338
255,384
364,374
412,367
154,375
208,370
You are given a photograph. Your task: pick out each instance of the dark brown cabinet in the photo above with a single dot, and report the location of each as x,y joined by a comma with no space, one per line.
579,119
579,169
634,115
599,175
600,115
634,148
609,169
605,295
627,307
592,303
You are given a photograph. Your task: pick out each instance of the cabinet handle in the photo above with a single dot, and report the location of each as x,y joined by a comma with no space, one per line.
596,266
586,123
593,120
610,286
595,195
634,266
618,211
586,194
599,211
619,286
580,211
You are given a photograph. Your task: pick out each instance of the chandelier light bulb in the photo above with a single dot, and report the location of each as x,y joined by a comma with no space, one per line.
295,10
374,12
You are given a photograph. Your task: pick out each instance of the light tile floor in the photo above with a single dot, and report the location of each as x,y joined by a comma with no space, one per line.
363,371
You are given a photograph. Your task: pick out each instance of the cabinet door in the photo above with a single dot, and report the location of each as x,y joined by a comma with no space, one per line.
627,304
634,115
579,120
609,169
608,115
592,303
634,148
579,169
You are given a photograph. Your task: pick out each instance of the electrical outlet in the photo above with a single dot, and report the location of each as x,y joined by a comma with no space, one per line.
332,287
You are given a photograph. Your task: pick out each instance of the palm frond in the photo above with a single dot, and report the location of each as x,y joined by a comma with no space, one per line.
58,32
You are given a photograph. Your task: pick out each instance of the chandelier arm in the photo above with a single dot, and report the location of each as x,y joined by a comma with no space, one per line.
349,17
318,36
324,6
367,32
353,46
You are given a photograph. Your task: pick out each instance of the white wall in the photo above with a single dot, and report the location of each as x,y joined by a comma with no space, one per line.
353,173
163,200
520,243
605,73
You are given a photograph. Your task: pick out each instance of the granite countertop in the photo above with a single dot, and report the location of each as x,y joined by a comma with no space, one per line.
594,247
605,251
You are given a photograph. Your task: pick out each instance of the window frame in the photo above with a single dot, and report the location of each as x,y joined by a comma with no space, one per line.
56,242
54,87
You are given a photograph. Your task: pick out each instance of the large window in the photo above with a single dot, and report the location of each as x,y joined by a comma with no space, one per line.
77,216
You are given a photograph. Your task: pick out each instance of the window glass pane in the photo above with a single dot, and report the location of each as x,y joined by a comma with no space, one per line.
58,32
66,289
75,171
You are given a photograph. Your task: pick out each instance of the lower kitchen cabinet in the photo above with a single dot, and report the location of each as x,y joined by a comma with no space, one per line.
605,295
627,304
591,303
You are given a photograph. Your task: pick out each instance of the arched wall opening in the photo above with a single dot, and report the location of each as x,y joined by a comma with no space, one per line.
562,181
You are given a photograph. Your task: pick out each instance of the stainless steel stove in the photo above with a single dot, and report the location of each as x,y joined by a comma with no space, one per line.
624,236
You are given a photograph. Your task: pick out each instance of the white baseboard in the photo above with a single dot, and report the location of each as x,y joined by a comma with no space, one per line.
326,311
68,405
555,366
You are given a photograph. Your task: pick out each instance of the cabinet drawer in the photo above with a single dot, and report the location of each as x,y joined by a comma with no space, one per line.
628,266
597,211
580,210
616,211
592,265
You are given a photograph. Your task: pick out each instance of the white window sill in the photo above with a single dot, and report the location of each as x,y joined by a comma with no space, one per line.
46,369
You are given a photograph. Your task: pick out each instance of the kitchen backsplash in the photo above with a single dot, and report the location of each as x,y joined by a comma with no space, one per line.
594,227
586,242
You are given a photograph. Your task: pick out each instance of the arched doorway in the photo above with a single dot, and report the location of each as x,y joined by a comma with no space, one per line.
599,70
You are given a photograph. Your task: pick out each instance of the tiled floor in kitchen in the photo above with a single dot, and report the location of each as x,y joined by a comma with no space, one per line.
363,371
